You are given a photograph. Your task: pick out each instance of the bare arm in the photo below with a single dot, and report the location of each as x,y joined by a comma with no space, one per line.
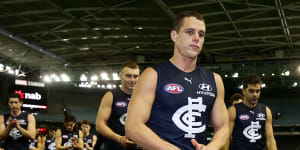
79,143
139,111
30,131
232,116
103,115
4,130
219,118
58,141
270,140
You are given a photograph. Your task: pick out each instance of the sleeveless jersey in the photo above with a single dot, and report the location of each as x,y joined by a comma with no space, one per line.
117,118
249,128
50,143
67,137
182,105
88,139
15,140
33,143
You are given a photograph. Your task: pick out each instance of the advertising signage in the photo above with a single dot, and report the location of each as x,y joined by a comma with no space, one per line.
34,94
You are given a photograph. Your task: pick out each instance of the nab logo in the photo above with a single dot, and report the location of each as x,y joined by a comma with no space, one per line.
244,117
32,96
173,88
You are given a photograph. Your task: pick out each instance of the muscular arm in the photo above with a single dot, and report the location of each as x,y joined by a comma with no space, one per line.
79,145
232,116
58,141
30,131
219,118
139,111
270,140
104,113
4,130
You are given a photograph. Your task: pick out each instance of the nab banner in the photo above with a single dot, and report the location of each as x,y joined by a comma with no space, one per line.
34,94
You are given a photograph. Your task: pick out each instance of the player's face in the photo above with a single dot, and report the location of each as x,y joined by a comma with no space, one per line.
190,37
129,77
14,104
252,94
85,128
70,126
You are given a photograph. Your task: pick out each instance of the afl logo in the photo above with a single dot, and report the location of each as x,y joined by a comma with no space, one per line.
244,117
121,104
173,88
205,87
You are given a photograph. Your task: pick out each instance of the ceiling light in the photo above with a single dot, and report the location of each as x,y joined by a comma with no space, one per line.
287,73
65,78
84,48
140,28
104,76
109,86
94,78
11,72
241,86
294,84
235,75
273,74
125,36
1,67
47,78
117,28
263,85
83,78
115,76
96,28
84,38
65,39
17,71
7,68
107,28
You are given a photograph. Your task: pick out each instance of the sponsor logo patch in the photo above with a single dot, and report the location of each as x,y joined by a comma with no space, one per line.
173,88
244,117
121,104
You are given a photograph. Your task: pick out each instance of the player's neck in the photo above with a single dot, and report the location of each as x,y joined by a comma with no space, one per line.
249,105
126,90
16,113
184,64
85,134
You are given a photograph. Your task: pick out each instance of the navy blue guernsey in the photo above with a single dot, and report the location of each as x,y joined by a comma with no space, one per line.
67,137
249,128
89,140
182,105
50,143
15,140
117,118
33,143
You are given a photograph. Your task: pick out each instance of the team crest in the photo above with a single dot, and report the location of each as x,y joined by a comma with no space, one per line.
187,117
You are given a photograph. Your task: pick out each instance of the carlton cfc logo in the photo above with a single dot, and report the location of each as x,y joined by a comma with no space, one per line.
173,88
